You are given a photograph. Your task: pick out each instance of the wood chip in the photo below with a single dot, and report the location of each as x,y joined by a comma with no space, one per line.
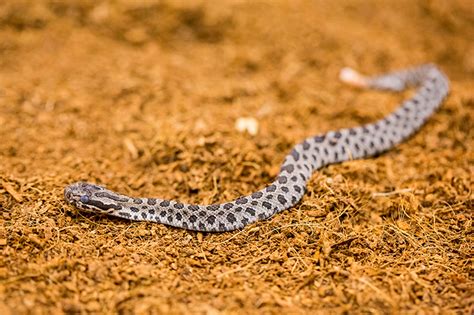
16,195
132,149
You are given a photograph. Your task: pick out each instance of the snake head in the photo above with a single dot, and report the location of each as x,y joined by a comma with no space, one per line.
85,196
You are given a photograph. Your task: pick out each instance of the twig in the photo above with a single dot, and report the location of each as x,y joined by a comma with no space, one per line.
395,192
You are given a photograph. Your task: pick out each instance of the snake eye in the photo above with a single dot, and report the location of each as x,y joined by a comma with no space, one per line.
84,199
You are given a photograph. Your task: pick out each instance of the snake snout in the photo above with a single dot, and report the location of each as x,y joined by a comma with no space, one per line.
71,193
67,194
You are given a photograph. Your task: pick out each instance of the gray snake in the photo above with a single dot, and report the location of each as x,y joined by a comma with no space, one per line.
306,157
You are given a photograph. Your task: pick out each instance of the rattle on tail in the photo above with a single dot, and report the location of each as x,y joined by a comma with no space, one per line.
297,168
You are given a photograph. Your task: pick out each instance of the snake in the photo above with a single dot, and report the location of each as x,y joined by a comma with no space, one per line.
289,186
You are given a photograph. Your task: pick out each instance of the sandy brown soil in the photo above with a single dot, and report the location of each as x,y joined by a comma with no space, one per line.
142,96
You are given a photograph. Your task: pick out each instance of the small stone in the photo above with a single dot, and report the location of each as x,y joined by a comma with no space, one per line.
247,124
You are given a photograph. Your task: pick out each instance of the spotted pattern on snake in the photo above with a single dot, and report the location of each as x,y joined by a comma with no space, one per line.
306,157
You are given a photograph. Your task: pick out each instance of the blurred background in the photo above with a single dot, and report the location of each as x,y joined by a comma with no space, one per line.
201,101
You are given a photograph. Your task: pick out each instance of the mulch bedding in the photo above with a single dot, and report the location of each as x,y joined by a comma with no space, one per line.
143,96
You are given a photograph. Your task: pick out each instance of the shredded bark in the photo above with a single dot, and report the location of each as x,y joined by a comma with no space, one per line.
143,97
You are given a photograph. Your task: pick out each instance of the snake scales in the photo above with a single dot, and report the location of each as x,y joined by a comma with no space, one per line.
298,166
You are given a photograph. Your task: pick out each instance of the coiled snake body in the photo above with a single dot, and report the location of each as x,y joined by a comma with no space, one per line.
298,166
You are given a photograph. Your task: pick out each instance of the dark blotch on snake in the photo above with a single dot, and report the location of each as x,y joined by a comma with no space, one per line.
305,145
271,188
319,139
250,211
282,199
110,196
289,168
192,219
211,219
231,218
103,206
165,203
295,154
241,201
212,207
178,205
193,207
257,195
